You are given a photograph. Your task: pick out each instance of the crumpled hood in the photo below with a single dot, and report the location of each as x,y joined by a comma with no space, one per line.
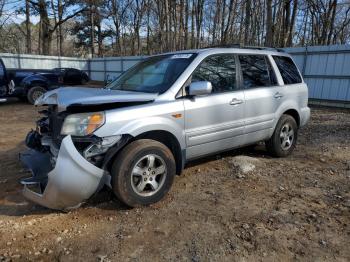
67,96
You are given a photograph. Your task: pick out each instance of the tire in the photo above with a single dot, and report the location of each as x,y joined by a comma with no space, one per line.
83,81
284,138
34,93
134,178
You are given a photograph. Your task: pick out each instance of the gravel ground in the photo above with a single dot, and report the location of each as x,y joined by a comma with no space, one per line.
295,208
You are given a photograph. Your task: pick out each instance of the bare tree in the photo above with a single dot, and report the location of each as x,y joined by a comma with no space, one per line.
135,27
46,28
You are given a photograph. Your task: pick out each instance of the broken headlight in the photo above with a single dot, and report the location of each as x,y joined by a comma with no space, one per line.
101,147
82,124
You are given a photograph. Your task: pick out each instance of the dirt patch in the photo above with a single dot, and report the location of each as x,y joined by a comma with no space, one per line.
295,208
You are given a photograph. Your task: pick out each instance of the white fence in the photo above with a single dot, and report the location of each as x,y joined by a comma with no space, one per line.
14,61
99,69
108,68
326,69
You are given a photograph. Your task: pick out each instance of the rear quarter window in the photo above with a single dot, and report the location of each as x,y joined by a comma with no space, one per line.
288,70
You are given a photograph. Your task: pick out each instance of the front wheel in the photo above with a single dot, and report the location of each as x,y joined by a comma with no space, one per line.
34,93
83,81
283,140
143,172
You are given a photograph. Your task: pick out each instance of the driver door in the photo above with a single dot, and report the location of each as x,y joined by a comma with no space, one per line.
215,122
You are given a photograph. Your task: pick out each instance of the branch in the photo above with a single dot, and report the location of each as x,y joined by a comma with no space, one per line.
67,18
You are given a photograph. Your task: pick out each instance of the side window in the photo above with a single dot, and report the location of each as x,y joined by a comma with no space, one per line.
2,70
288,70
220,70
70,73
256,71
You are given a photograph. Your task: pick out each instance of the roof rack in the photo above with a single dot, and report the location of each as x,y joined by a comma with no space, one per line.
246,47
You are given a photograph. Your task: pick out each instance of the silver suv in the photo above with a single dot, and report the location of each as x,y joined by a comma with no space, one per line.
139,131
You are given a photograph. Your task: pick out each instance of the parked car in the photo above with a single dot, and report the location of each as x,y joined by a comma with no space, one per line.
26,84
73,76
138,132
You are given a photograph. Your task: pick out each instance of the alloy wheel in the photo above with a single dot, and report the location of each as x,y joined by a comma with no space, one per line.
286,136
148,175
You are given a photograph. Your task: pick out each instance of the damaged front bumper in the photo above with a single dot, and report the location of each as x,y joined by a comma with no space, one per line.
72,180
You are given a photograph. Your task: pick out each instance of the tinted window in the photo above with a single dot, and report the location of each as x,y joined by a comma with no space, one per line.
288,70
2,70
220,70
256,71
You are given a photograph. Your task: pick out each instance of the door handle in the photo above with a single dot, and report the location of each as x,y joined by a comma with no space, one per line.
236,101
278,95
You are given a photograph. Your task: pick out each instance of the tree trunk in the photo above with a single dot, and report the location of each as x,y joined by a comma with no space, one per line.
223,17
192,24
46,34
60,34
92,30
181,26
291,25
199,20
28,29
167,24
216,21
229,21
269,32
186,24
247,22
99,40
332,22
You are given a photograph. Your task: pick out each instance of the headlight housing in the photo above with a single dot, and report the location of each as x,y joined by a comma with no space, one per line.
82,124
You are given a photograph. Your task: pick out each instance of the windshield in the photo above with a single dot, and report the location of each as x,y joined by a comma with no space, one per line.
153,75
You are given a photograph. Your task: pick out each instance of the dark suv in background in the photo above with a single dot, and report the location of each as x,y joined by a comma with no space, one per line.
29,84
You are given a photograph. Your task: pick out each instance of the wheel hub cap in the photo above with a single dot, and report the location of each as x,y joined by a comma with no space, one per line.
148,175
286,136
36,95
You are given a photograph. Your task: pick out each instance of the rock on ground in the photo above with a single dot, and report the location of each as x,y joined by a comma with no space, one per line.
245,164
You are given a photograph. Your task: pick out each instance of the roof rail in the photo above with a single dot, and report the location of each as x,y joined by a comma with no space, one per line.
264,48
245,47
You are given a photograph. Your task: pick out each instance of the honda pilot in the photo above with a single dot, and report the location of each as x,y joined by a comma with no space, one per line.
137,133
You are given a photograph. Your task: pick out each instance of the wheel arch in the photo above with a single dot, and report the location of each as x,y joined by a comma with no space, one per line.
168,139
293,113
162,136
34,80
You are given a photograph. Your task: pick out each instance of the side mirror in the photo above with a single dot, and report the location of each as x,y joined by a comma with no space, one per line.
200,88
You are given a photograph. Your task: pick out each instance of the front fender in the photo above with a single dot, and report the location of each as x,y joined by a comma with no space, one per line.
142,125
35,80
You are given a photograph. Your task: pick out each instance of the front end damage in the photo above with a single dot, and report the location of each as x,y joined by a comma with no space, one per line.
72,180
66,170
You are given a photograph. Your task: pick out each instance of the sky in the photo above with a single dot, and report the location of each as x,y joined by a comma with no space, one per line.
10,8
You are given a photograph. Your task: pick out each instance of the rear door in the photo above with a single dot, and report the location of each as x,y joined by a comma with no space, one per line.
214,122
262,96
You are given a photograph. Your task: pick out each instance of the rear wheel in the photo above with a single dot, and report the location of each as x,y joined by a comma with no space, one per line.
283,140
143,172
34,93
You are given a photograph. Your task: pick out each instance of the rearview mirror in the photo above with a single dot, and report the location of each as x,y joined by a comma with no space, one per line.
200,88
